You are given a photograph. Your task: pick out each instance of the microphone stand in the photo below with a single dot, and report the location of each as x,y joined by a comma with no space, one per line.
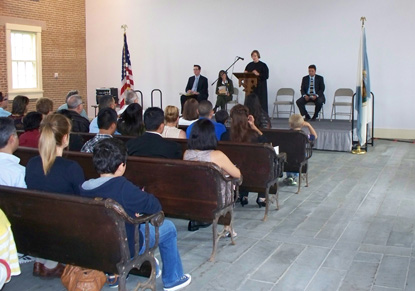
237,59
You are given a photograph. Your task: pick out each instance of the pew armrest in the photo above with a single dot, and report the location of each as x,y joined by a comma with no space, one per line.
155,219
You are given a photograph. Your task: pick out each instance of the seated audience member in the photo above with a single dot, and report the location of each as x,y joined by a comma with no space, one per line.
206,112
105,101
9,261
190,112
131,121
109,158
261,117
201,146
44,106
196,88
171,119
31,123
243,129
50,172
65,106
222,117
19,109
75,107
107,123
151,143
296,123
224,90
4,102
76,142
11,172
130,98
312,90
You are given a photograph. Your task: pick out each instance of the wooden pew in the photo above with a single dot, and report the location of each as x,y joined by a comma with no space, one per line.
297,147
79,231
187,190
259,164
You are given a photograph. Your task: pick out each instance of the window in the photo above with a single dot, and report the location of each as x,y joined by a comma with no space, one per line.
24,63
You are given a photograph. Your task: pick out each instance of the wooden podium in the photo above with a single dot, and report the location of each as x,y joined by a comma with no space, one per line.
248,81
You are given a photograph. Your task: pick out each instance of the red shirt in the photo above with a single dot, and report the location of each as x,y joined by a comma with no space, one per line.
29,138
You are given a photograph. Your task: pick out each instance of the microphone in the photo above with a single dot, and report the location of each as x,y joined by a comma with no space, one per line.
240,58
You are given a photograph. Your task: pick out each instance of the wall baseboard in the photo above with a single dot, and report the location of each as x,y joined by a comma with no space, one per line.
394,133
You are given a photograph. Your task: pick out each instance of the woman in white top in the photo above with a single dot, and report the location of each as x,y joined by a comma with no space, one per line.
190,112
171,120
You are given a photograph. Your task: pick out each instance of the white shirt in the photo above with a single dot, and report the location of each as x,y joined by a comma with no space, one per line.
183,121
11,172
121,111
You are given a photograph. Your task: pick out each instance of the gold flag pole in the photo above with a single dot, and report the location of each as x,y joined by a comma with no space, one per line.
358,150
363,19
124,26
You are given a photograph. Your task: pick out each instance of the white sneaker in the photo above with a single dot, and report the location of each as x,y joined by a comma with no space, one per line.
158,269
183,282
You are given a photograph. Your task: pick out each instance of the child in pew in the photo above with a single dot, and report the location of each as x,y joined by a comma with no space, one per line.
297,123
109,158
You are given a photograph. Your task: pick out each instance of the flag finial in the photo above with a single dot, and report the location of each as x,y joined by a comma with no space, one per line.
124,26
363,19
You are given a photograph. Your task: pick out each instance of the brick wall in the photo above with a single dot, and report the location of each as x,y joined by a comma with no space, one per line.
63,44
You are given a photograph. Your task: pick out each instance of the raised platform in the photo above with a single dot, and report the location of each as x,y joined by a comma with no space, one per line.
333,135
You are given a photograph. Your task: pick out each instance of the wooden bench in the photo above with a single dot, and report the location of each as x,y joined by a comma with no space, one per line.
259,164
297,147
187,190
79,231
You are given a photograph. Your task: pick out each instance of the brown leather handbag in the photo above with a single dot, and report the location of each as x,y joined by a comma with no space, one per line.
75,278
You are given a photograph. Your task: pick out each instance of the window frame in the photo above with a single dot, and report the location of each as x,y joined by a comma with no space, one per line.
31,93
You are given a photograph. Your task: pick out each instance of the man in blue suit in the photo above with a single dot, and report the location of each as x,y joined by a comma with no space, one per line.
197,87
312,90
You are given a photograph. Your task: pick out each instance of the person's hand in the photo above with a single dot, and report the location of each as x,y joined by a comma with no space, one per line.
251,121
255,72
195,93
314,97
307,98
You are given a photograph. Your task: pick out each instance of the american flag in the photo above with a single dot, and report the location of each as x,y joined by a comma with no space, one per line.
127,81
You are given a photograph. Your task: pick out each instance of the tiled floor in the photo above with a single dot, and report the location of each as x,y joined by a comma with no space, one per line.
351,229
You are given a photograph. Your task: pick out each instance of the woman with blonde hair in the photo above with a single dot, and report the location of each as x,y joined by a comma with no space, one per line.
51,173
171,120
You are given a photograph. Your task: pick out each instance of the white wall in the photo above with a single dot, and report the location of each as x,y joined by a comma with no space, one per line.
166,37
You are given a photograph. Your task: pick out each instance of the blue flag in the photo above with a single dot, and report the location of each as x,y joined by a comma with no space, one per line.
362,97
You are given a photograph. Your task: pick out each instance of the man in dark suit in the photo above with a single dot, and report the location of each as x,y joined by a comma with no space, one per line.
151,143
197,87
312,90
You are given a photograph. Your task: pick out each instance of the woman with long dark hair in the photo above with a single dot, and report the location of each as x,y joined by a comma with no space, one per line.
19,109
131,121
262,119
224,90
243,129
201,146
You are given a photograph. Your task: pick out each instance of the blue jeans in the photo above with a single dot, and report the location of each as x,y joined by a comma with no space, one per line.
172,264
292,175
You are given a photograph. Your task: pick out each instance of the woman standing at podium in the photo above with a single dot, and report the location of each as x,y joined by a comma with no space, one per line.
260,69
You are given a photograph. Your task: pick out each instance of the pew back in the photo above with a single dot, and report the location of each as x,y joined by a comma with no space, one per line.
66,228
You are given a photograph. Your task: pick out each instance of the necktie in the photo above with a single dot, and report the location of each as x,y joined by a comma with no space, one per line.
195,84
312,86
